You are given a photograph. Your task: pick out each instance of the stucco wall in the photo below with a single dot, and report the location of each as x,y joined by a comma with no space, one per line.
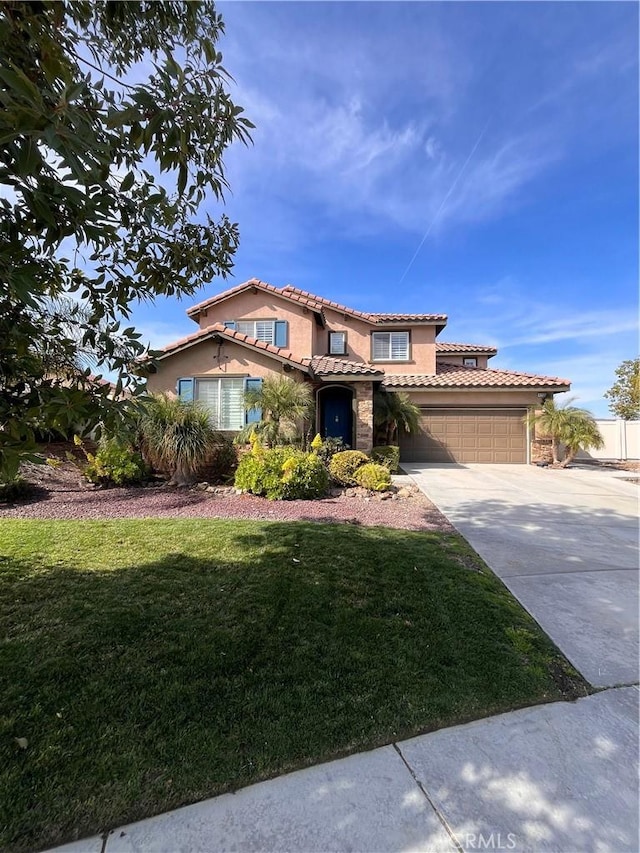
423,353
264,306
473,398
211,359
459,359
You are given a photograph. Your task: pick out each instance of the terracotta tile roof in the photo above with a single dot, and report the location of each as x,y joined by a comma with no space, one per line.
457,376
218,330
364,315
307,300
304,296
447,346
324,365
315,303
408,318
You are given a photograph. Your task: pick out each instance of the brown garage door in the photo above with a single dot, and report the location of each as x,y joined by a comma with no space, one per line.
467,435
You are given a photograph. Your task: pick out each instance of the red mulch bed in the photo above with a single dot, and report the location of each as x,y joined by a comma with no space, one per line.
62,493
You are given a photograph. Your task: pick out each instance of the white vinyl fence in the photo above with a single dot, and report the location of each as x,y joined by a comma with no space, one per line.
621,440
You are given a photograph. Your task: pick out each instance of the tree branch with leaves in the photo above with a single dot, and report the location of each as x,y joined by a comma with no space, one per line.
115,119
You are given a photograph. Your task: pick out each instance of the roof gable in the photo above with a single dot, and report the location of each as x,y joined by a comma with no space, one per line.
253,284
220,331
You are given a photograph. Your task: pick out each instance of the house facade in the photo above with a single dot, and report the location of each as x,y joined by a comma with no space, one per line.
469,412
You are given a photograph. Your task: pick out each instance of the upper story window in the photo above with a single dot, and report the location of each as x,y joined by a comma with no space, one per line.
337,343
390,346
470,361
261,330
274,332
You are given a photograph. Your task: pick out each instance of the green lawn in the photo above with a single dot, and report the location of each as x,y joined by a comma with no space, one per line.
150,664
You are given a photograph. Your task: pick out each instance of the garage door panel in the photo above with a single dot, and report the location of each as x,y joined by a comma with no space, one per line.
467,435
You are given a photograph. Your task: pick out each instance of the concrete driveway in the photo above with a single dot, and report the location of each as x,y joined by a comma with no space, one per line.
565,542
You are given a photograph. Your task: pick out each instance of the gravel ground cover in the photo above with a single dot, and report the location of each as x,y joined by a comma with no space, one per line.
61,493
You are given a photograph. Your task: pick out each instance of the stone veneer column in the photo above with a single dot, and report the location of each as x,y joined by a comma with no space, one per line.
364,416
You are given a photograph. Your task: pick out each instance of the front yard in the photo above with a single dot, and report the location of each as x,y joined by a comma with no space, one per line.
151,663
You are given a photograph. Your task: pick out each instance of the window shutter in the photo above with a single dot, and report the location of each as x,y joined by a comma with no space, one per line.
252,416
281,333
185,390
229,324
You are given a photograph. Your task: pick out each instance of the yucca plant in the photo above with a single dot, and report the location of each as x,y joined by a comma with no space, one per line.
285,403
393,412
176,436
567,425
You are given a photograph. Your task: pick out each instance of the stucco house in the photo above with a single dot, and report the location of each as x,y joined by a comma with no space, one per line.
469,412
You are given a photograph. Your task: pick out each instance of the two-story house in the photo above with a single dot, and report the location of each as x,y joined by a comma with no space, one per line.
469,412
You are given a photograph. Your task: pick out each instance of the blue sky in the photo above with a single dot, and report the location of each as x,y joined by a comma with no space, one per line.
477,159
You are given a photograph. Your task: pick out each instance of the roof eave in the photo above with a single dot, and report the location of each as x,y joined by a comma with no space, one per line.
304,368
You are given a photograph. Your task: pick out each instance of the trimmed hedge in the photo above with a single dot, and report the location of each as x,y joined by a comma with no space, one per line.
343,466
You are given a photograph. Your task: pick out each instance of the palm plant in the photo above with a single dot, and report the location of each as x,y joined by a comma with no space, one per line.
393,412
176,436
566,425
284,404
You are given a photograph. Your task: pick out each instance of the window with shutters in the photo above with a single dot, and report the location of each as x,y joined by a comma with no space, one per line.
390,346
224,399
261,330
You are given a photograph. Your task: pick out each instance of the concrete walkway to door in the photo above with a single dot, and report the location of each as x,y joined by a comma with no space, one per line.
565,542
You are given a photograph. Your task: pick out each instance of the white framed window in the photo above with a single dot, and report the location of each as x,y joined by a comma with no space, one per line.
337,343
261,330
390,346
470,361
224,400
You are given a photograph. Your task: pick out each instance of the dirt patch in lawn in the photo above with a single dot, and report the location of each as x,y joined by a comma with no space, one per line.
61,493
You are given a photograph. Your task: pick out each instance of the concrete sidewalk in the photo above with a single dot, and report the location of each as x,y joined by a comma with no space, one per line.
565,542
559,777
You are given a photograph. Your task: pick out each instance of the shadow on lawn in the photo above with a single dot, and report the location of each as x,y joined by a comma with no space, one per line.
144,686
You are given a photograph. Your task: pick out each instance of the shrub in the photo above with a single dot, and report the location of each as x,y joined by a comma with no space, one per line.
329,448
305,477
282,473
14,489
114,464
374,477
176,436
220,463
387,455
344,465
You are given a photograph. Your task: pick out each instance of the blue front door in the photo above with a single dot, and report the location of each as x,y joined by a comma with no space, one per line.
337,414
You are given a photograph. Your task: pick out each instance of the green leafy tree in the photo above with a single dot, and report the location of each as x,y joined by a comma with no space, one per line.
393,412
285,403
624,394
566,425
114,120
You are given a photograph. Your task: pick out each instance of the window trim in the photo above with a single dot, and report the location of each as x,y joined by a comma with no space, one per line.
255,322
343,351
470,361
220,379
389,359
